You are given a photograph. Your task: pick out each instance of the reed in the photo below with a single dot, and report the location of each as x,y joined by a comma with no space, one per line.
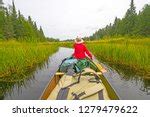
18,58
130,52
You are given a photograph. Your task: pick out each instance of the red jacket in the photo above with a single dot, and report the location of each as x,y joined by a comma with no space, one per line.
80,51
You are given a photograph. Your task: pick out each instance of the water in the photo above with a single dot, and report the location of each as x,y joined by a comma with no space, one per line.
128,86
33,88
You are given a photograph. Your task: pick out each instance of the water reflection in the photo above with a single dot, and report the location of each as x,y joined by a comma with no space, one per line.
7,87
31,88
145,87
127,83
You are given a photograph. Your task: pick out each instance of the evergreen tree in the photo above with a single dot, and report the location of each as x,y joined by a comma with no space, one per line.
41,32
143,22
35,28
30,20
1,3
15,25
2,17
14,12
131,24
8,27
129,20
21,20
14,20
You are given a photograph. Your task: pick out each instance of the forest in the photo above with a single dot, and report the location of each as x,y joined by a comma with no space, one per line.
13,25
133,25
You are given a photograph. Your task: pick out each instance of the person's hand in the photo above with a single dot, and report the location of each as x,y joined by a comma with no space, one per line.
91,58
103,70
72,55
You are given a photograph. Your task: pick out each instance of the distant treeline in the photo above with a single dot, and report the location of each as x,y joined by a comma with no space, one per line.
132,25
52,39
13,25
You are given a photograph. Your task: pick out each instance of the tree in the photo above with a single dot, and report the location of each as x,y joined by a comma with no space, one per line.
143,22
130,19
30,20
8,27
131,24
2,16
14,25
1,3
41,31
14,20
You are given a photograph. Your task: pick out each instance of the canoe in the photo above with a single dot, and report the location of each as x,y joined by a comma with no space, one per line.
52,90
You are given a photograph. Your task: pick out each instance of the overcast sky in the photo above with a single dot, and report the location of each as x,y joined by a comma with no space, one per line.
67,19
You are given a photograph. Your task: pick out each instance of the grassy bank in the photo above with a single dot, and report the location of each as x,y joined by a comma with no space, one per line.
18,58
129,52
124,52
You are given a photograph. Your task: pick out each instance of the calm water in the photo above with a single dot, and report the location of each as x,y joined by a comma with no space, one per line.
127,84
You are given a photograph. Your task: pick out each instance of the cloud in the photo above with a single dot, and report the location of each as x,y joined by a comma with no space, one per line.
91,27
100,10
68,18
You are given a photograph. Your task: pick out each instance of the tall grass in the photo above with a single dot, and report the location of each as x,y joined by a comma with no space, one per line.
127,52
130,52
16,59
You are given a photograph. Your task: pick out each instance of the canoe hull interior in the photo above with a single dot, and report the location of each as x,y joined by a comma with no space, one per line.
56,78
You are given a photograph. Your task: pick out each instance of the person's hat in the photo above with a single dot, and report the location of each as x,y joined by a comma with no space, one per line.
78,40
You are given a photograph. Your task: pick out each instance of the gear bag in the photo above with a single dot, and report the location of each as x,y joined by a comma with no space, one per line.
83,86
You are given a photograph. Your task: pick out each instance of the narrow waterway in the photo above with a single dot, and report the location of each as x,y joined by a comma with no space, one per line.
127,86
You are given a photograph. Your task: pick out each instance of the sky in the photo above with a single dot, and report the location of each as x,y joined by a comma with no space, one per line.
67,19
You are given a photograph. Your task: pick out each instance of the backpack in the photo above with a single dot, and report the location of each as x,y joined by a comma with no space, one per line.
75,65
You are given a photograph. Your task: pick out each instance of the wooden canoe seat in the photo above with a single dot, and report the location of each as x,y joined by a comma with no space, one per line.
99,73
59,73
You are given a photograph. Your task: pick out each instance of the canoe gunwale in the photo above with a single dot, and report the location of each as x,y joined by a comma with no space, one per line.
57,76
50,86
